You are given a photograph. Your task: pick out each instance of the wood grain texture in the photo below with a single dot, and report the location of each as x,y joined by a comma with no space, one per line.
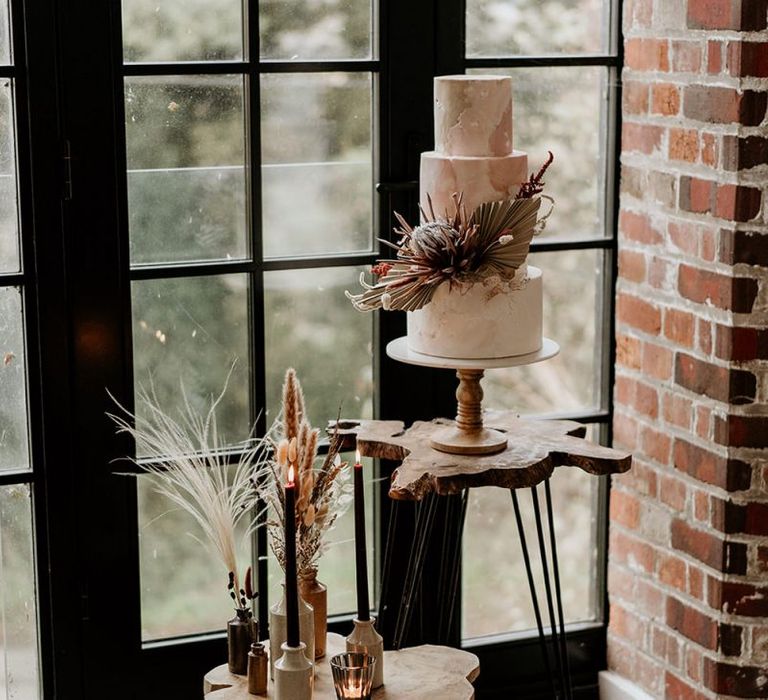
418,673
534,449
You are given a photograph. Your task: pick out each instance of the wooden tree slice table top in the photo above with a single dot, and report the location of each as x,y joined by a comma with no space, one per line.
425,672
534,449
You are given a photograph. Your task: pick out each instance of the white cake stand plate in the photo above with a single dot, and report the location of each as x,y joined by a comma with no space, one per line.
468,436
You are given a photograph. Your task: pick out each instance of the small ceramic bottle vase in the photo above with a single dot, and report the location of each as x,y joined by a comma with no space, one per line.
257,669
316,594
240,635
278,630
365,639
294,674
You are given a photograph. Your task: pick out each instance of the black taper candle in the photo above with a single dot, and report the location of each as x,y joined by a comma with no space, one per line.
291,577
361,559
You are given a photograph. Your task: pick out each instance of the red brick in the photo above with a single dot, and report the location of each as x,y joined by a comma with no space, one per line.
712,550
638,313
628,351
683,236
707,244
637,227
646,400
725,384
677,689
638,13
706,287
621,582
703,415
741,343
624,431
672,572
709,149
730,679
748,59
744,152
714,57
696,195
696,582
722,105
641,479
625,509
635,97
741,431
665,99
740,15
635,553
686,56
678,410
673,492
748,247
644,138
632,265
737,598
691,623
738,203
762,559
646,54
657,361
684,144
711,468
679,327
705,336
656,445
701,506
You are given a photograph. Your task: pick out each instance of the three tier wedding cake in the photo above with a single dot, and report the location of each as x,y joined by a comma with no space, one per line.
461,274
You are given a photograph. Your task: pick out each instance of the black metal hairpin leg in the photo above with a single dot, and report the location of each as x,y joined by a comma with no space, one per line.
450,564
425,517
556,572
534,596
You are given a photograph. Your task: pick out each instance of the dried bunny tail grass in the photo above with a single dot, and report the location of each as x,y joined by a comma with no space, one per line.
291,404
310,451
191,468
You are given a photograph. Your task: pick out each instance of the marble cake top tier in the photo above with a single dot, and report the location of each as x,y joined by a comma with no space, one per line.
473,115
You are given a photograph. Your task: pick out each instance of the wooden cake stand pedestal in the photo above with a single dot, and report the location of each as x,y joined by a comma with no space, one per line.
481,448
425,672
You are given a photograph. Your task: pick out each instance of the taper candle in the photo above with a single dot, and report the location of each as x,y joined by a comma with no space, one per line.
361,560
291,576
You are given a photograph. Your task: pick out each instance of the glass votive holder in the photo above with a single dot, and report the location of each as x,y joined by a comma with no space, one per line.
353,675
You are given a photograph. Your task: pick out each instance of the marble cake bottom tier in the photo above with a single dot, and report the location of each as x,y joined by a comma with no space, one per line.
480,179
486,320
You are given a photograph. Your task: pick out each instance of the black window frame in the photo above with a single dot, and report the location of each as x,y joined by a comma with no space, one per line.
68,76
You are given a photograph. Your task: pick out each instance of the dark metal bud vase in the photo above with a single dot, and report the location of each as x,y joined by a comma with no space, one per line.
241,633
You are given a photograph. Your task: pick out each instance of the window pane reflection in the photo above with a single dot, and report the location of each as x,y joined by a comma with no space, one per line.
19,673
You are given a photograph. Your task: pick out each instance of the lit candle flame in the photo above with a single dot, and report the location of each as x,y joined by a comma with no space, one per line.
291,475
357,456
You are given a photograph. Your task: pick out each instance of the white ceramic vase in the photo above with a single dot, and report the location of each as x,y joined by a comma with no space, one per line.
365,639
294,675
278,630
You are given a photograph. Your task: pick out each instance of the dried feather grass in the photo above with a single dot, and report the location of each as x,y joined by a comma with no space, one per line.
193,469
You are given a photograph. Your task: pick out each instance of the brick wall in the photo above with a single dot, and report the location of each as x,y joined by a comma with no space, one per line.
688,562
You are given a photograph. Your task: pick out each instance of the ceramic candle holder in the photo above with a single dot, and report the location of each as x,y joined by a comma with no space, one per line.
366,640
278,632
294,676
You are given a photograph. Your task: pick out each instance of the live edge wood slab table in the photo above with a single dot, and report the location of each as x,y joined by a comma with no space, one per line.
533,450
425,672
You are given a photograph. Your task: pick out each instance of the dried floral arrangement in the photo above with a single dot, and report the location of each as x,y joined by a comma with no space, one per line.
456,248
323,492
193,470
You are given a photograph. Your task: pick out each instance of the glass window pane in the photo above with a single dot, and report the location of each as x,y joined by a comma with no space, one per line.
299,30
186,168
9,220
337,564
317,163
190,330
5,32
535,28
182,30
14,445
563,110
167,543
312,327
19,674
571,380
493,561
